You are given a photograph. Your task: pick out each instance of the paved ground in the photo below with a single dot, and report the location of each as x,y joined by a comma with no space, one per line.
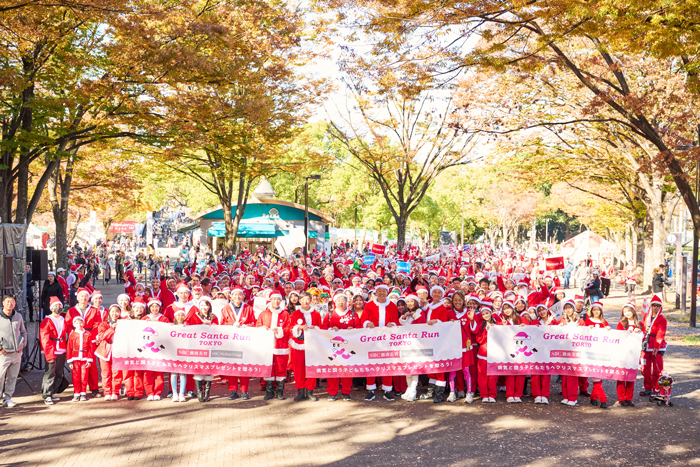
283,433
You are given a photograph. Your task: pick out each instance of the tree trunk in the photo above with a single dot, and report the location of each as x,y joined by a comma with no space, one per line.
648,252
401,230
638,240
22,193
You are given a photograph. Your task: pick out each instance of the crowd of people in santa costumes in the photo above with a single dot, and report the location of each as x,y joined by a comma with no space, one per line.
483,289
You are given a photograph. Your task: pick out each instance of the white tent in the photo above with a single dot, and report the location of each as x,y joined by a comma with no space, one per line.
585,243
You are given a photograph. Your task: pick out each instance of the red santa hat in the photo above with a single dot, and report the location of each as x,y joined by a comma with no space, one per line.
153,300
182,286
237,288
422,288
630,304
655,300
437,287
138,302
97,293
598,304
578,298
82,291
74,268
339,295
381,286
55,303
275,294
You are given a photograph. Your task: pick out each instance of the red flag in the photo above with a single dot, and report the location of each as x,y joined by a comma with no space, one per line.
378,249
552,264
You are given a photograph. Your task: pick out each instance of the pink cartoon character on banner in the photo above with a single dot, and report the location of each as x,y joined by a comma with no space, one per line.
520,346
148,334
339,349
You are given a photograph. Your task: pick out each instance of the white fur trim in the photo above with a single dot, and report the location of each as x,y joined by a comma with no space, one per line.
296,331
296,346
280,351
386,388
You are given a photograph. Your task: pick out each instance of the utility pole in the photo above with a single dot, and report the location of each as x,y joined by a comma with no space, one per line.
694,262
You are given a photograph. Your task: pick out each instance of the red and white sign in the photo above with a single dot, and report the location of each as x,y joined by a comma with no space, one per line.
564,350
195,350
554,264
384,351
378,249
122,227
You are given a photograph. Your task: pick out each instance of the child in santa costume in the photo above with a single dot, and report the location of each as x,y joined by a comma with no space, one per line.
153,380
79,355
111,379
340,318
595,319
238,314
276,319
52,333
654,347
303,318
628,322
380,312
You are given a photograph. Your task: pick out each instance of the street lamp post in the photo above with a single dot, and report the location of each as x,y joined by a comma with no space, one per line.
306,212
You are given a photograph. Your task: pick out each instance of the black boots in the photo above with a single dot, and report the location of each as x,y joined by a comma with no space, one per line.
430,394
207,388
438,394
280,390
200,391
301,395
310,395
269,389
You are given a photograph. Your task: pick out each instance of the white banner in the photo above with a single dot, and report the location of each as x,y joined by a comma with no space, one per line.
564,350
384,351
217,350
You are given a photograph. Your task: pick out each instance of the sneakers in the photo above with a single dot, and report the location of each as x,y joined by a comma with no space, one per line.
115,397
245,396
181,398
9,403
518,400
233,396
83,398
469,398
603,405
332,398
346,397
544,400
370,396
54,398
175,398
538,400
76,398
48,401
149,398
460,394
452,397
389,396
572,403
594,402
565,401
156,397
510,400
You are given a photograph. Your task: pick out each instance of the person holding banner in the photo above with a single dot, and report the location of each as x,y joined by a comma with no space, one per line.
380,312
487,384
653,346
238,314
595,319
570,384
628,322
303,318
435,313
202,315
111,379
340,318
514,383
540,385
276,319
153,380
463,377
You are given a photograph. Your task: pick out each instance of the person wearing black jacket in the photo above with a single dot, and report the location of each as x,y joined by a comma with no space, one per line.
52,288
658,281
79,284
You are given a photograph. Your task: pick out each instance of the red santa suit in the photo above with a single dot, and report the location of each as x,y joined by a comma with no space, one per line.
189,308
464,381
279,319
52,332
111,379
625,389
92,319
570,384
64,288
153,380
655,337
597,393
241,317
299,318
380,314
345,320
80,352
540,385
487,384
